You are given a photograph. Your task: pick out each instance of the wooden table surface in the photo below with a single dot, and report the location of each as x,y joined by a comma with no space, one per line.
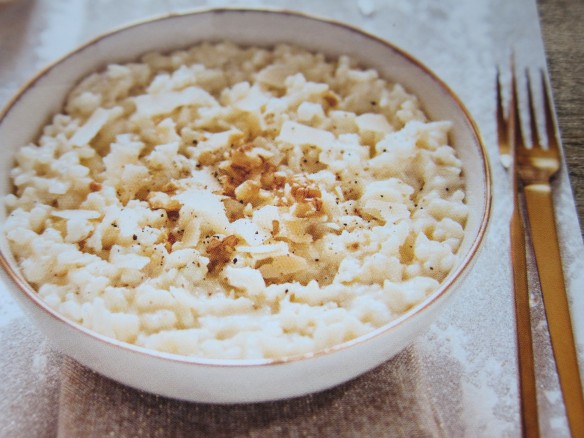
563,33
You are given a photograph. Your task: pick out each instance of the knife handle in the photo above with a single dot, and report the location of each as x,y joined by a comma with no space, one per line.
540,212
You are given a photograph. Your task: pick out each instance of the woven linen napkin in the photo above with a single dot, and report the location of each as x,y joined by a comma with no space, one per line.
389,401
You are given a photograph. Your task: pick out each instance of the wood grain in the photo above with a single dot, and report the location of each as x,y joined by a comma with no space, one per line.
563,33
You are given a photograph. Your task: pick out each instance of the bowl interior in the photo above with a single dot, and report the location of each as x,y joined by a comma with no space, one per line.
44,95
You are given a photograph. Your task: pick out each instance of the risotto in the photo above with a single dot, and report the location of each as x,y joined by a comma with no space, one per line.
237,203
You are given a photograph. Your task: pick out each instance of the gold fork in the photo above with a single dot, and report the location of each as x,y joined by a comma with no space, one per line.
525,359
535,167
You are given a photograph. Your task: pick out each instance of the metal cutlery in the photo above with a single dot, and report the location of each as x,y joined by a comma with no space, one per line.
535,163
525,358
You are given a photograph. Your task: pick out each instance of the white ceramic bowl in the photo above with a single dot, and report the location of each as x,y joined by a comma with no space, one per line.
220,381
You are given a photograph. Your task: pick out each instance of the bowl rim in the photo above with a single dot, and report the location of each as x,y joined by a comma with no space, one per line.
440,293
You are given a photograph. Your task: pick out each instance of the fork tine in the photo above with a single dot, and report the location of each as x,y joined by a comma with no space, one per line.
550,124
502,126
535,140
501,122
503,138
514,116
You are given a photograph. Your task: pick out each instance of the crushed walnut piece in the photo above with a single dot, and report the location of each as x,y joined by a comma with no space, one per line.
220,251
244,163
171,239
303,195
271,180
248,191
170,187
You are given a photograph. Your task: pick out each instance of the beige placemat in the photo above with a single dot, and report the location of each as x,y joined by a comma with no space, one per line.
389,401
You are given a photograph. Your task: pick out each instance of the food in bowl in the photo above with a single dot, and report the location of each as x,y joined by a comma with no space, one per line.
237,202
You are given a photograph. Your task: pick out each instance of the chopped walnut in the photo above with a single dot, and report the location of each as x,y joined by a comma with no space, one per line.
303,192
275,227
272,180
220,251
307,195
241,162
307,209
170,240
170,187
244,163
208,158
229,184
247,191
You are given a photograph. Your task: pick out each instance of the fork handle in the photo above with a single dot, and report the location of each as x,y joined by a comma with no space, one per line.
525,358
544,236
